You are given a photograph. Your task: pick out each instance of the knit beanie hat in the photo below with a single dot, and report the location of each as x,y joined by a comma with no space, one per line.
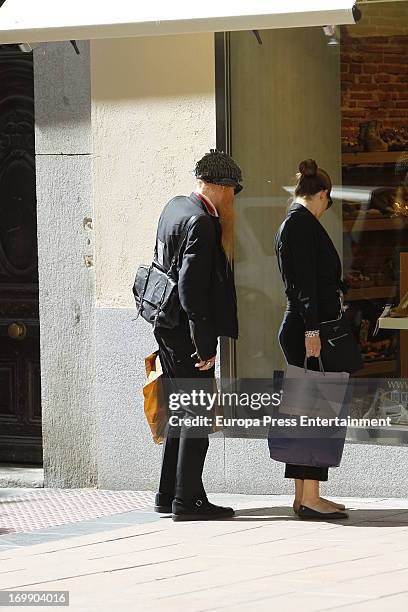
219,168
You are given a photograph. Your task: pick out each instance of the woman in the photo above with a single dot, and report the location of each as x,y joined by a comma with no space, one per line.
311,271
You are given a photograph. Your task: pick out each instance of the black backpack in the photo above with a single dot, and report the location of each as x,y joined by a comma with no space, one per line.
155,290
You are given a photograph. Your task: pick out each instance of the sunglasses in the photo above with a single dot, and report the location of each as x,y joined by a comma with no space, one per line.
231,183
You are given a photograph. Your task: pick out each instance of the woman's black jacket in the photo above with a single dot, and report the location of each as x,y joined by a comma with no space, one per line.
310,267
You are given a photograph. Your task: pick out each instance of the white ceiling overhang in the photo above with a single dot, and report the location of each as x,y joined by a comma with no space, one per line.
49,20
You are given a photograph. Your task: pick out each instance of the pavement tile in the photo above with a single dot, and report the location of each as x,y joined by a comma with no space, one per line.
43,570
177,592
19,508
263,558
287,602
357,533
396,603
87,539
353,575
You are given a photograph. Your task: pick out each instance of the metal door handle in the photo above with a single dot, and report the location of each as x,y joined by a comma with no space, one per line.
17,331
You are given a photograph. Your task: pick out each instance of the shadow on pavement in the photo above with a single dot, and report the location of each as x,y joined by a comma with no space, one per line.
367,517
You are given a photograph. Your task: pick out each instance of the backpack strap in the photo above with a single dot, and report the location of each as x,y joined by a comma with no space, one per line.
182,238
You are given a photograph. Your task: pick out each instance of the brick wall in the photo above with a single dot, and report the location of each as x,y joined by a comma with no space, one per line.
374,81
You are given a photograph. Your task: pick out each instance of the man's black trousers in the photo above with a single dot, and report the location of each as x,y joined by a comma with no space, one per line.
185,447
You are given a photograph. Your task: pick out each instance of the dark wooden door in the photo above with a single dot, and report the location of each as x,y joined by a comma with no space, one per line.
20,396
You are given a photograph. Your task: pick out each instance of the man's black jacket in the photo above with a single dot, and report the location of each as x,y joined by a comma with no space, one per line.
205,281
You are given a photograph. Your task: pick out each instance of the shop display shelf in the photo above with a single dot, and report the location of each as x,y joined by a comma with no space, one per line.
370,224
393,322
379,367
370,293
375,157
394,434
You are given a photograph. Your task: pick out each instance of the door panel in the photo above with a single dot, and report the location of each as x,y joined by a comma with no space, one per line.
20,390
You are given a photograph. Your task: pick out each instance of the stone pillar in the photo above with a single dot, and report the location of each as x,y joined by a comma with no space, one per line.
66,272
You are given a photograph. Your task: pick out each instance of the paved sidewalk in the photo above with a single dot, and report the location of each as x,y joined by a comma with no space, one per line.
263,559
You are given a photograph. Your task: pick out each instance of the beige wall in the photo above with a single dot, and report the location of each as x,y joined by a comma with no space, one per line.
153,114
285,108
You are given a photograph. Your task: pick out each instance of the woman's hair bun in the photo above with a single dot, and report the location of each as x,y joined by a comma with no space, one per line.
308,167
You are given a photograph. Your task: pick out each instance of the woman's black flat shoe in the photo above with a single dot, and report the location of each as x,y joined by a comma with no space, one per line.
308,513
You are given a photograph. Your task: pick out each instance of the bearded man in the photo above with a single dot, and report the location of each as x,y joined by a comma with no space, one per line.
204,223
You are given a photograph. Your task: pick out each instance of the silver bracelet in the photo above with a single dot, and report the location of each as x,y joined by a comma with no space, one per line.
312,333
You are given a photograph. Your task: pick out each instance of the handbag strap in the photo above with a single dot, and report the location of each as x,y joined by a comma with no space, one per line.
321,368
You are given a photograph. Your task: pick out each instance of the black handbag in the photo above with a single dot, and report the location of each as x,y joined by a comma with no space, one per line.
155,290
339,349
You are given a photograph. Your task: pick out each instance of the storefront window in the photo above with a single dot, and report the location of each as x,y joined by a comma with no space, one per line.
340,96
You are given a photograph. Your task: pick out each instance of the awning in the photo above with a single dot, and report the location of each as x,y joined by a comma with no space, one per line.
48,20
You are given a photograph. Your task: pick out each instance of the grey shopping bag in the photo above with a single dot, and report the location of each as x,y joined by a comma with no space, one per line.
313,393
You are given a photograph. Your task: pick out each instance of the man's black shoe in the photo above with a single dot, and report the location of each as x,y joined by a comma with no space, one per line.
162,504
200,510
